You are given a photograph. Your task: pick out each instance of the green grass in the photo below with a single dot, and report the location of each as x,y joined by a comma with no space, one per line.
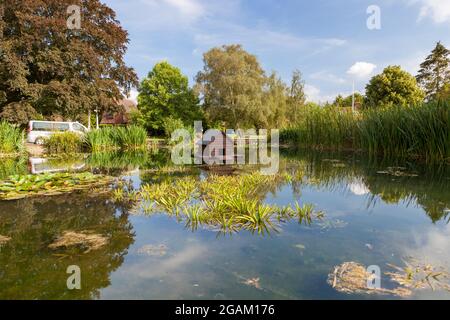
66,142
115,138
421,131
11,139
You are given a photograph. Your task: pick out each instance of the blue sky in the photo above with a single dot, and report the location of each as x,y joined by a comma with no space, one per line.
321,38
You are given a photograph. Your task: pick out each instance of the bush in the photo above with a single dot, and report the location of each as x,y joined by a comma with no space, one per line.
11,139
60,143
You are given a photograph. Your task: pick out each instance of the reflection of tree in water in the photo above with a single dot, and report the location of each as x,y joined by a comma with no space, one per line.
333,170
30,270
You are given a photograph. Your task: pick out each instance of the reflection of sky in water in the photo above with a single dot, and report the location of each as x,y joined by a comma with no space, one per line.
370,219
292,263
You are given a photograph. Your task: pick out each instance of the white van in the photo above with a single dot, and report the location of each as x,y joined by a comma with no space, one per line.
38,131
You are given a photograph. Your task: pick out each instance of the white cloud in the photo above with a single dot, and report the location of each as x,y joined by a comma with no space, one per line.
313,94
328,77
361,69
191,8
437,10
133,95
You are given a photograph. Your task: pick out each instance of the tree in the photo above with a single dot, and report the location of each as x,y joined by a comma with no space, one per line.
274,110
297,96
231,85
19,113
434,72
393,87
165,94
444,93
55,69
346,102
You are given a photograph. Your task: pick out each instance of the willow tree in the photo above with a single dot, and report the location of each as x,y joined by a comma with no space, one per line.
47,64
231,85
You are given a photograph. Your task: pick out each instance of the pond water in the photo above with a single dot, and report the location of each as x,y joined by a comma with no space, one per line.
376,213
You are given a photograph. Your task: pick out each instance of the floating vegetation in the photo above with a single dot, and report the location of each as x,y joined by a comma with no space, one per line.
85,240
397,172
153,250
328,224
23,186
418,275
222,203
253,282
4,240
352,278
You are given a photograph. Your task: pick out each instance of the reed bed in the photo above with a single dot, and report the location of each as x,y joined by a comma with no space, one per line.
421,131
11,139
115,138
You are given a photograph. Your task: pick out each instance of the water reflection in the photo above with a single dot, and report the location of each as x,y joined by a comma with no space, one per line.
30,270
376,212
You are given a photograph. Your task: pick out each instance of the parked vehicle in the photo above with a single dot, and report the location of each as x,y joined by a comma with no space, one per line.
38,131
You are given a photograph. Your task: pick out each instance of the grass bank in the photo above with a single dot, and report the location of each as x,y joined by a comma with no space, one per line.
421,131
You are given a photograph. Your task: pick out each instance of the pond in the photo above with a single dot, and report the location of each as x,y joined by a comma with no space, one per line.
376,212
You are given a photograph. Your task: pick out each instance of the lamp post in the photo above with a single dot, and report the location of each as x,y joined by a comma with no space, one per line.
353,97
96,118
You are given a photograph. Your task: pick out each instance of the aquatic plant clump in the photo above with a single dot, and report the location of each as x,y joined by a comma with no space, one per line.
352,277
23,186
223,203
84,240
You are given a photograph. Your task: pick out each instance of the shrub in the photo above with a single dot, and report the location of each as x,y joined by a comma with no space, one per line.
67,142
11,139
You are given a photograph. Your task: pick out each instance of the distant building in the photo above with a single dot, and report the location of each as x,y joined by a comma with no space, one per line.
120,118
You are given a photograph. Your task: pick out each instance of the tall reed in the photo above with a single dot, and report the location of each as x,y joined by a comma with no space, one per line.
421,131
11,139
114,138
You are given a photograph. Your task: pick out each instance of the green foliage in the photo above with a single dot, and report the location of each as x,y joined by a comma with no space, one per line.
10,166
22,186
19,113
64,143
408,131
434,72
163,94
171,124
231,84
422,130
322,128
113,138
346,102
225,203
393,87
11,139
132,137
